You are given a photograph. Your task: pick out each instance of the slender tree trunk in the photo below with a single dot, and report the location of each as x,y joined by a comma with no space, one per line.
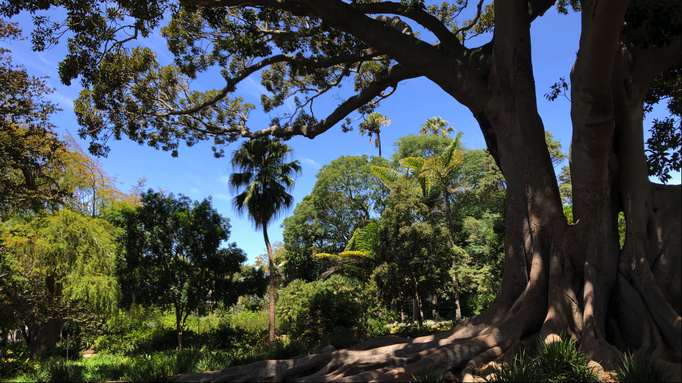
178,323
4,343
448,217
434,310
378,141
271,265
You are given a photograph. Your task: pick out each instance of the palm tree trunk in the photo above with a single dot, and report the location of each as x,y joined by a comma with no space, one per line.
378,141
271,265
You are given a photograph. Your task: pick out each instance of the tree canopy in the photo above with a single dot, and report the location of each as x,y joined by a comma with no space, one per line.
169,253
31,155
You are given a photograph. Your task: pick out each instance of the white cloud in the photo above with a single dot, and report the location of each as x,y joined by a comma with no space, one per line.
310,162
194,190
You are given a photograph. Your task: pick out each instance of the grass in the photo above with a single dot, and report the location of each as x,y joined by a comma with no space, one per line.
148,367
555,362
639,367
432,376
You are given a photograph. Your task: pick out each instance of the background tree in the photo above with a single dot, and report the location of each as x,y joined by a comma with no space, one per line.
66,261
263,182
372,126
436,126
414,257
345,197
31,155
93,189
169,254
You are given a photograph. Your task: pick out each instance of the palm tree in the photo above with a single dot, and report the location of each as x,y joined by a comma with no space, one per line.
263,178
437,126
372,125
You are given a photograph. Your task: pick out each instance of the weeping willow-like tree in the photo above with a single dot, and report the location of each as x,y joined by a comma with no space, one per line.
66,261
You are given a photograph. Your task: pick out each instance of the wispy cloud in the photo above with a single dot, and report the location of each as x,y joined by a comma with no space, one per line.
223,197
223,180
310,162
64,102
194,190
254,88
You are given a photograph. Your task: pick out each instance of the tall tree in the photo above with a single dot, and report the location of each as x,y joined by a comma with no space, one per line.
414,256
66,261
169,254
31,156
372,126
558,278
263,178
436,126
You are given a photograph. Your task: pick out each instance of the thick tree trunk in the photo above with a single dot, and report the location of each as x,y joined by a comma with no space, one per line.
271,265
44,336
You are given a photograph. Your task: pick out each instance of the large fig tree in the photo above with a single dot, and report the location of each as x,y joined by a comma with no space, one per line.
558,277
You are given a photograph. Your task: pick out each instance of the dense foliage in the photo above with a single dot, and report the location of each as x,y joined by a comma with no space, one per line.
169,254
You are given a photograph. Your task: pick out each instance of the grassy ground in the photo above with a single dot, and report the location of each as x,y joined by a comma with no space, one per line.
244,340
144,351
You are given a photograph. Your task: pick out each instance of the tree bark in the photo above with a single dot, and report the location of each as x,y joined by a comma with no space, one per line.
271,265
178,323
44,336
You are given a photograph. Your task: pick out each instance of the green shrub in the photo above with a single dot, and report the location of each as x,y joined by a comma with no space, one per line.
521,369
16,361
413,330
554,362
639,367
310,311
563,362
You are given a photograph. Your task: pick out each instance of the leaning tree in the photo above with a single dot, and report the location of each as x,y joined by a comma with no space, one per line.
558,277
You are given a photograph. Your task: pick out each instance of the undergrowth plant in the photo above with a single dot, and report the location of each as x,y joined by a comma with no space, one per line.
640,367
432,376
555,362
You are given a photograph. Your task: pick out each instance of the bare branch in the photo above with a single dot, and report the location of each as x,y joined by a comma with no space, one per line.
386,79
447,39
474,21
364,55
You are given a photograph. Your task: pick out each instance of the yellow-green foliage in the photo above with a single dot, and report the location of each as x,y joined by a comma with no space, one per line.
66,258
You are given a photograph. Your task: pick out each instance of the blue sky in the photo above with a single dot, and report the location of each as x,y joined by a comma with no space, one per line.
197,174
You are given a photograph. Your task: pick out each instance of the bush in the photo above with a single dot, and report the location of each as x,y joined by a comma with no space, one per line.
639,367
519,370
413,330
16,361
309,312
555,362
